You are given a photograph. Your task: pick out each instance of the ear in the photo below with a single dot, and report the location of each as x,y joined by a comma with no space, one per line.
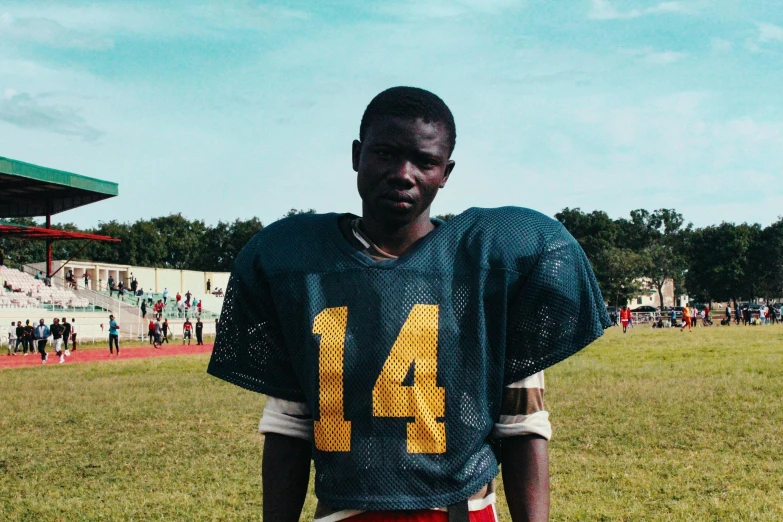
447,173
356,154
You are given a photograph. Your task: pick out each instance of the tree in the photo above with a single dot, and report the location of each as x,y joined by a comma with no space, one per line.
445,217
661,239
718,261
19,252
618,271
295,211
765,261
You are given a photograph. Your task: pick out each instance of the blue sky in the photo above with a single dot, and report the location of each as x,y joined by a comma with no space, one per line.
230,109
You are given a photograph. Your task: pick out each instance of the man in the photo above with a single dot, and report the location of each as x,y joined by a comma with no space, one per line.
114,336
56,330
625,316
74,333
41,335
165,296
187,329
165,331
396,349
694,316
12,338
20,338
158,333
188,295
66,336
29,336
209,285
686,318
199,332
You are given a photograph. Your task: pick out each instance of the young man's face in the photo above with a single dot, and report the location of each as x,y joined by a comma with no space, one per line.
401,165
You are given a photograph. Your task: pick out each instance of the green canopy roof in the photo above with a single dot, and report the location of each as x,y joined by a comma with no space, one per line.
28,190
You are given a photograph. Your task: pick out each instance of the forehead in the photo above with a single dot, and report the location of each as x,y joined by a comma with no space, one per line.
408,133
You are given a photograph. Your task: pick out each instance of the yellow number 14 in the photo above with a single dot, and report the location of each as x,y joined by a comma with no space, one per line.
424,401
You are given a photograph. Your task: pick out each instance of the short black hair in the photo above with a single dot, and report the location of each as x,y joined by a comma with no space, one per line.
413,103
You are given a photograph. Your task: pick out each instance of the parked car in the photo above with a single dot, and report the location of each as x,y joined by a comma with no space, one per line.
645,309
677,310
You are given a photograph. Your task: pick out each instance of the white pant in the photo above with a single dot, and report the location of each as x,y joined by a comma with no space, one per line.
58,345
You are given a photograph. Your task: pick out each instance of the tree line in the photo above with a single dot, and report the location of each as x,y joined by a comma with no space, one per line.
630,256
718,263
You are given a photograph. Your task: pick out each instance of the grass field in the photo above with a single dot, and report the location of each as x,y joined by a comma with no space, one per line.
652,425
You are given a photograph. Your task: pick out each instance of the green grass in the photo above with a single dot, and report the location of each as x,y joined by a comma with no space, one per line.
653,425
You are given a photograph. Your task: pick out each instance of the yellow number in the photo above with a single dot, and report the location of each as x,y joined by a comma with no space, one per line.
417,344
424,401
332,432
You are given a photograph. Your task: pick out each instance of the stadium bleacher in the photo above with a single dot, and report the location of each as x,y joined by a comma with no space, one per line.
24,291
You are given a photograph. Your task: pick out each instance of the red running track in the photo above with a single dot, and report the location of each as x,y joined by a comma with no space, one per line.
100,355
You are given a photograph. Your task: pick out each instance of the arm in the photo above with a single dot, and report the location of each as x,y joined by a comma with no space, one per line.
525,466
285,473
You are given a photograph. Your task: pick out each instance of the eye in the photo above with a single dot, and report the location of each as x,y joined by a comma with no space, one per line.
383,154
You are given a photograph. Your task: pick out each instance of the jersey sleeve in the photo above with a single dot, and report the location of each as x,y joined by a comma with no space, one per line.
522,410
249,350
558,310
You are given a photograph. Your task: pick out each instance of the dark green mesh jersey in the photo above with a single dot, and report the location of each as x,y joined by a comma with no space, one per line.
403,362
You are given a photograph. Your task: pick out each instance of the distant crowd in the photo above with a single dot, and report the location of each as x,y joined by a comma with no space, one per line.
34,339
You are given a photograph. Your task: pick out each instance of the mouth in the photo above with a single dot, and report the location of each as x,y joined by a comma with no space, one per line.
398,198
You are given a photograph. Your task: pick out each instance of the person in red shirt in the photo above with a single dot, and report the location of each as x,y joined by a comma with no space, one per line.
625,316
187,330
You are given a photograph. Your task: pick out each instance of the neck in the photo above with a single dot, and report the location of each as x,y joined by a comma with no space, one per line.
396,238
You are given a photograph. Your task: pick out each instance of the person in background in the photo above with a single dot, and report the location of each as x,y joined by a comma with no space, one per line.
728,316
188,295
41,334
625,316
39,276
29,336
73,333
20,338
199,332
217,326
143,309
165,296
178,298
66,336
151,332
209,285
686,318
12,338
56,330
187,329
165,332
114,335
158,331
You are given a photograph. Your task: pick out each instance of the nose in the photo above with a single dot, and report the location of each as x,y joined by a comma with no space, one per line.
403,175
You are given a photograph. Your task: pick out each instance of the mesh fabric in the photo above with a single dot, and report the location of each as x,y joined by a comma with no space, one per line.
403,362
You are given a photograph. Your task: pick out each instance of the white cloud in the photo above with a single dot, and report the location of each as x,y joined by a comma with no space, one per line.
767,34
719,45
770,33
26,111
415,9
46,31
604,10
656,57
